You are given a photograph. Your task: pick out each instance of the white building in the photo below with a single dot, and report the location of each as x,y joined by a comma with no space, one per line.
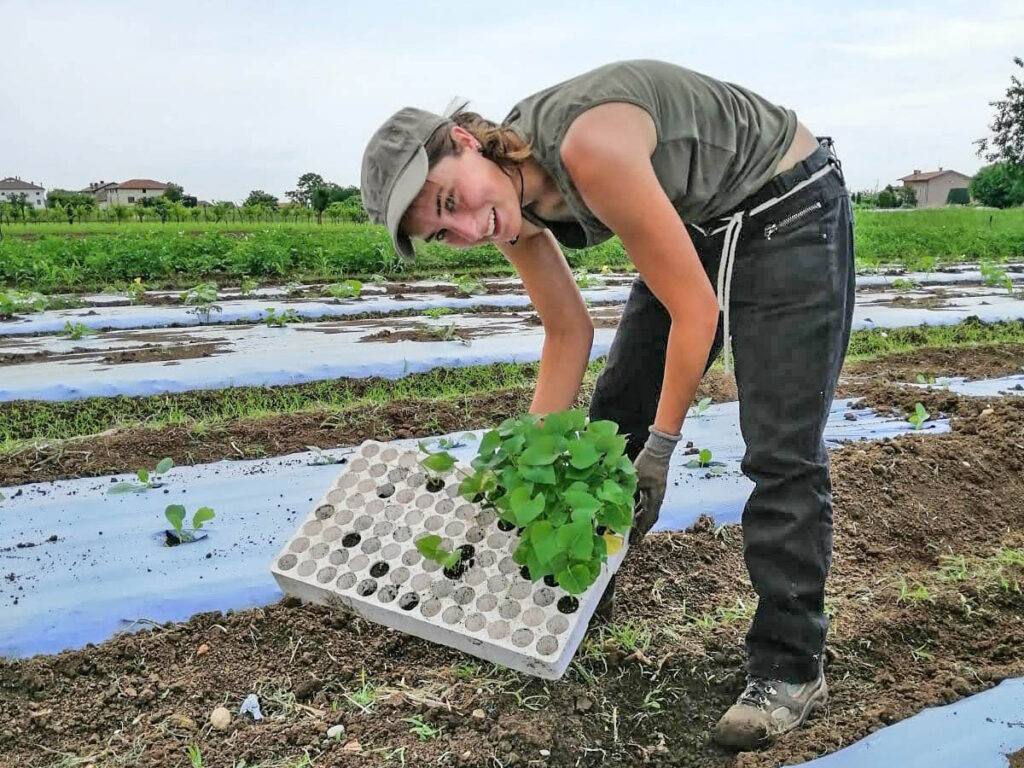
134,191
13,186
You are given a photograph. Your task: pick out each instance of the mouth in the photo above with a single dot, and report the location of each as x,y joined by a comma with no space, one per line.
492,223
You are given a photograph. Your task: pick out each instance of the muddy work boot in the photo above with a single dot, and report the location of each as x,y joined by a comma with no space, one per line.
769,708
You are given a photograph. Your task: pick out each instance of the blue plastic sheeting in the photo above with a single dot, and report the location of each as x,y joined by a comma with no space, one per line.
107,570
979,731
253,310
1001,387
260,356
930,278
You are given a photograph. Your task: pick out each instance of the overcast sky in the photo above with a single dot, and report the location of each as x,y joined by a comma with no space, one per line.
228,96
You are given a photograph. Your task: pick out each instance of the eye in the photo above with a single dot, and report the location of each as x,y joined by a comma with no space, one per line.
449,203
439,237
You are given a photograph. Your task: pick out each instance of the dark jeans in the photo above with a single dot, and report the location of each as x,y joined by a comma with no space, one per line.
792,305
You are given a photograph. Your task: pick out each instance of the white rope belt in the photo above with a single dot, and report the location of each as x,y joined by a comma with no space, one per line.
732,229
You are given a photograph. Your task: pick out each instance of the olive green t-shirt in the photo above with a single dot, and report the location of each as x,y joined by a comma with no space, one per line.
717,142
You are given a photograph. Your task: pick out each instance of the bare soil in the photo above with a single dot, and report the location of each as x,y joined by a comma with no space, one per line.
900,505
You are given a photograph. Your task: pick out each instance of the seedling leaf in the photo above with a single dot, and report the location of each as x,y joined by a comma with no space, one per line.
175,514
439,462
164,465
202,515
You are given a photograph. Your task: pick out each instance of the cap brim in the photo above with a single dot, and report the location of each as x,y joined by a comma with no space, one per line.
407,186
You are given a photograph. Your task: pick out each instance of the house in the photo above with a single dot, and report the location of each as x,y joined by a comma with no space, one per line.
101,190
13,186
932,187
134,191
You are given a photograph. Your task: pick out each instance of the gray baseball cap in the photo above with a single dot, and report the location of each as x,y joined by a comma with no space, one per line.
395,168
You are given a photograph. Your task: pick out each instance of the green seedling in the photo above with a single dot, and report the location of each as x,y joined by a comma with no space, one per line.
468,286
202,300
435,313
702,405
566,483
905,284
445,333
364,696
430,547
606,270
919,594
377,279
423,730
703,460
919,416
175,514
146,478
195,755
294,288
347,289
994,275
274,319
76,331
585,280
136,290
248,286
12,302
927,380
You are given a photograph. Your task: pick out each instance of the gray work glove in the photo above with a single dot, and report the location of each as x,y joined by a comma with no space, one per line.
651,478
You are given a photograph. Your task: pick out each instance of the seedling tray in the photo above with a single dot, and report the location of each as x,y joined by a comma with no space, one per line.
357,549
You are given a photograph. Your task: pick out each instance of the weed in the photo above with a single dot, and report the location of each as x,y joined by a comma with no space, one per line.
953,568
926,380
248,286
146,478
195,755
630,635
905,284
76,331
365,696
422,729
993,274
919,416
585,280
12,302
135,291
922,654
919,594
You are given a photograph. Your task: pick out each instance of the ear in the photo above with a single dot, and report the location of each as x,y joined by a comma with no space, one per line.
464,139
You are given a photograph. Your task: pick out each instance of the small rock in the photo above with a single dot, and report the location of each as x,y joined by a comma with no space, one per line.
545,753
478,714
353,746
220,718
988,412
850,416
336,731
584,704
178,720
202,650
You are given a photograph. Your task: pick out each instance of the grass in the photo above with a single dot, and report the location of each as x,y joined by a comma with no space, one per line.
26,420
56,257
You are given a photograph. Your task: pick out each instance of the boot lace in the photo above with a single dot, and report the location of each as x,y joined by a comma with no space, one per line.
757,692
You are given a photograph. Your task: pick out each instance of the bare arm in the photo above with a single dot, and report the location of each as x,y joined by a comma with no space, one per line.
568,329
607,152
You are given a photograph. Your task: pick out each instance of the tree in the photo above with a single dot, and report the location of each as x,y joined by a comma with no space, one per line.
173,192
140,211
259,197
303,192
65,198
999,185
1007,140
18,203
120,212
906,196
220,209
319,199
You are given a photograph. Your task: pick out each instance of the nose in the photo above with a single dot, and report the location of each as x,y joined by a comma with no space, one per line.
466,226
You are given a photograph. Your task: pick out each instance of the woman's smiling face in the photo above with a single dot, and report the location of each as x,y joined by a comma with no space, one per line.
467,200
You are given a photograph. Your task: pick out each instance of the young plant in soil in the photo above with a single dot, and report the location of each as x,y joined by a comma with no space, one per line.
135,291
435,313
12,302
703,461
348,289
444,333
565,483
175,514
468,286
76,331
275,320
146,478
919,416
702,405
585,280
248,286
994,275
905,284
203,300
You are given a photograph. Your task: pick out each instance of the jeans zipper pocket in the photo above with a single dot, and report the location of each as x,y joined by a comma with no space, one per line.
771,229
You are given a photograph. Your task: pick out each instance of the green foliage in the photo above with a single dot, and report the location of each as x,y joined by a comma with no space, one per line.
175,514
202,298
260,198
1000,185
559,479
274,319
702,405
995,275
468,286
135,291
76,331
147,478
435,313
346,289
585,280
1007,140
919,416
905,284
14,302
430,547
